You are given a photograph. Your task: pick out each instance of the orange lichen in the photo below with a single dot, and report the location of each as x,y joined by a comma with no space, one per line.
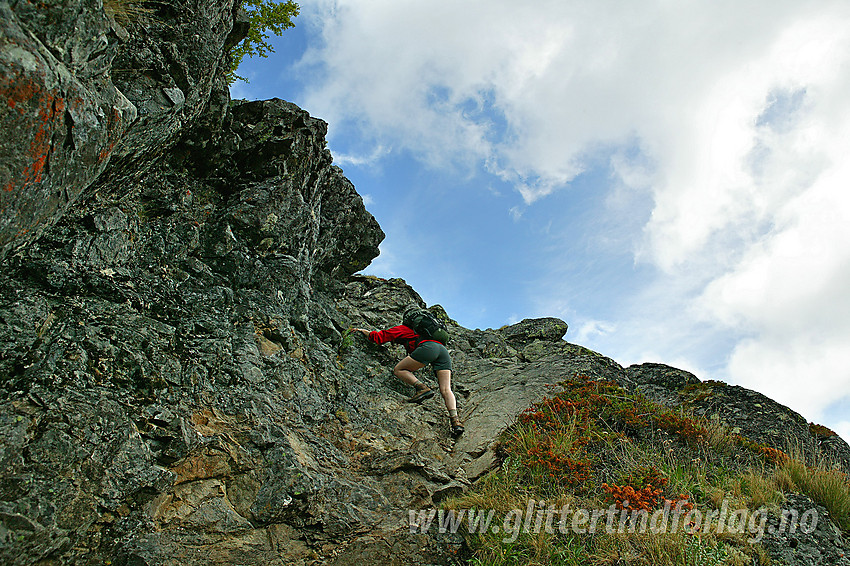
23,92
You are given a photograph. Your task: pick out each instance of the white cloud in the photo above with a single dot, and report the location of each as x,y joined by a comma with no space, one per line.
373,158
241,90
387,262
590,328
790,290
729,173
806,374
843,429
738,123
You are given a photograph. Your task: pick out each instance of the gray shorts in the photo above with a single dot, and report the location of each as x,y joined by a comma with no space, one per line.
432,353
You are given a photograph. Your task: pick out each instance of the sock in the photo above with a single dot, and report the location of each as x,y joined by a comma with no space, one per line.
420,386
453,413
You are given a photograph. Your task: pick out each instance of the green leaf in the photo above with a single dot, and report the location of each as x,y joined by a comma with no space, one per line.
264,16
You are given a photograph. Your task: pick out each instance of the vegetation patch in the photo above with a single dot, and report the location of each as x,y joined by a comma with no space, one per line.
593,474
125,11
822,431
264,16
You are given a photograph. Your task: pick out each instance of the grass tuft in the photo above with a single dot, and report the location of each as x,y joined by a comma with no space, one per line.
125,11
823,482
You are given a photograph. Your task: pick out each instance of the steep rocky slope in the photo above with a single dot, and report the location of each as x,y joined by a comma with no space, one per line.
178,276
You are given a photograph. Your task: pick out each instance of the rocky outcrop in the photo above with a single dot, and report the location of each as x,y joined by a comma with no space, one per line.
179,275
742,410
84,90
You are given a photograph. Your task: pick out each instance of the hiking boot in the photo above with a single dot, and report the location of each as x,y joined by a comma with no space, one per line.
457,428
421,395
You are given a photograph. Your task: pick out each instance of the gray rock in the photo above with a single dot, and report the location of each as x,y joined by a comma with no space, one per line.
63,115
178,281
530,329
803,535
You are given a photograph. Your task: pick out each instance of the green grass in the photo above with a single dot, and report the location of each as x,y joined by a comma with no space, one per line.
821,481
592,445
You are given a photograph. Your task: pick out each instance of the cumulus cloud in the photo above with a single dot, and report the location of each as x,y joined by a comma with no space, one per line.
373,158
790,289
733,118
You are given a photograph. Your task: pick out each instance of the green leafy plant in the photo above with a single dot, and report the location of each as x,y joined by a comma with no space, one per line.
345,345
264,16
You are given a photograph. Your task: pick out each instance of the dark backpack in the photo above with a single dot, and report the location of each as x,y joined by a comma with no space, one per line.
426,325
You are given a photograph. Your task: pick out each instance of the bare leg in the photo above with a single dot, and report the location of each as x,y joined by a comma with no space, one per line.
405,368
444,378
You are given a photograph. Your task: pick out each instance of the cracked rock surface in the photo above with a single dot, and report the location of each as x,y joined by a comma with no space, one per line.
178,278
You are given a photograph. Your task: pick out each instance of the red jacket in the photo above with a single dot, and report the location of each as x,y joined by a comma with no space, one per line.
399,335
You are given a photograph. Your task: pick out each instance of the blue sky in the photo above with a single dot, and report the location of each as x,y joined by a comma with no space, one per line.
671,179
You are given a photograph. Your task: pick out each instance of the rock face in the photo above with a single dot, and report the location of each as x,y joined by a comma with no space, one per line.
82,91
178,278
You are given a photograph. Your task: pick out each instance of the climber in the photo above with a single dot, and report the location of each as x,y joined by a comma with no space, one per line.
421,351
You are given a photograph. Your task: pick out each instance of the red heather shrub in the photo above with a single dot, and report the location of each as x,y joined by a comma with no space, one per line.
683,427
820,430
648,497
